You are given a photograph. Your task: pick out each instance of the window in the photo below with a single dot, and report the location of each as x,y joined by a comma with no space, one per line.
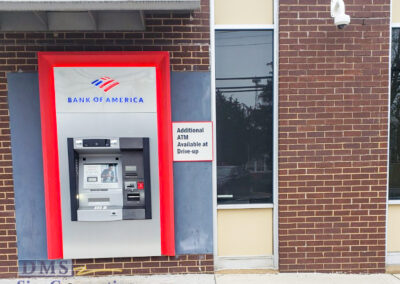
244,109
394,165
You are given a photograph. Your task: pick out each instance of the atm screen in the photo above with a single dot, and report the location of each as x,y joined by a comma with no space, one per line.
100,175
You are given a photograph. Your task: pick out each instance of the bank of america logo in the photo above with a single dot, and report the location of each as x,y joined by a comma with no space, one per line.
105,83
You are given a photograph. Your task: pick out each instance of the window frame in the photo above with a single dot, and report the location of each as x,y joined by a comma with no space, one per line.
275,27
215,28
270,28
392,28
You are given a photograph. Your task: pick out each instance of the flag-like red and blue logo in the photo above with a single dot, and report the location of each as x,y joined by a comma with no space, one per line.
105,83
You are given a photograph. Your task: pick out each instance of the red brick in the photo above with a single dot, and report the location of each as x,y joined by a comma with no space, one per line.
331,123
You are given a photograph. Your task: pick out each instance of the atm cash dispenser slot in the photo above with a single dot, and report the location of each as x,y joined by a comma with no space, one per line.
109,179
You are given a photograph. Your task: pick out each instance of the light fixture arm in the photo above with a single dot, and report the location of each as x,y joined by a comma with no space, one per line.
337,8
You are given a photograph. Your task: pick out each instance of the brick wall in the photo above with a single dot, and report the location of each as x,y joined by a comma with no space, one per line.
333,137
184,35
202,263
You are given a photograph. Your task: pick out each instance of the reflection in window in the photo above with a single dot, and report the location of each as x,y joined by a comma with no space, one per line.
394,167
244,106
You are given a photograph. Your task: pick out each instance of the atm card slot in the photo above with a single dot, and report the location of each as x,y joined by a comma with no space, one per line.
130,185
98,199
128,175
133,197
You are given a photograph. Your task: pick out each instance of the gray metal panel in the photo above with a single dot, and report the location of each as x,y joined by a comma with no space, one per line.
21,21
96,5
193,207
71,21
190,96
191,101
120,20
23,99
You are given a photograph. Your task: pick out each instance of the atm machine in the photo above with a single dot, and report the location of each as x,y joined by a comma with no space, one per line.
107,152
109,178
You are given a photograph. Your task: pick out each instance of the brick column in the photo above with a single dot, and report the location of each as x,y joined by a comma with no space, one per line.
333,119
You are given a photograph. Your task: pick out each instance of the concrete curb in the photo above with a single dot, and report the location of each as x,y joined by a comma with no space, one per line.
280,278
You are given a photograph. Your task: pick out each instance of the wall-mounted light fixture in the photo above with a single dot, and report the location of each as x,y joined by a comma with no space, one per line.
338,14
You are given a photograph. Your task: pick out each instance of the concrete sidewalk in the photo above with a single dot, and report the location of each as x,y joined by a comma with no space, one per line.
280,278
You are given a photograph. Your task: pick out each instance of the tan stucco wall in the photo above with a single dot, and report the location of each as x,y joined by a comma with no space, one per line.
396,11
240,12
393,228
245,232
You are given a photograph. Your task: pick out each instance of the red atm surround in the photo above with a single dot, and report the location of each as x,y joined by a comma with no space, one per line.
158,59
